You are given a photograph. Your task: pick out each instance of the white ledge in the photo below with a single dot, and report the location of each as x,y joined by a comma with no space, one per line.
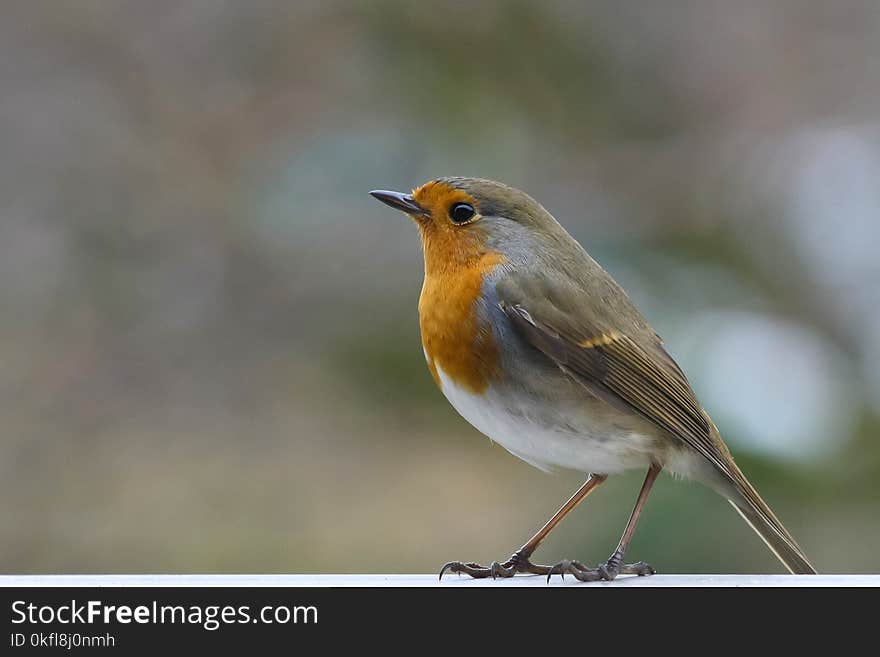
449,581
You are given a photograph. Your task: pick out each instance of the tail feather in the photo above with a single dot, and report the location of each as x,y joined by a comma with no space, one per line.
755,511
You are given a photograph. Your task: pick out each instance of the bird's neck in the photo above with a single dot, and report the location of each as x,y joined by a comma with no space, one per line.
448,253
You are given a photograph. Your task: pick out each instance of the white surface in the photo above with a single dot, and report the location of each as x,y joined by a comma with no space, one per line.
449,581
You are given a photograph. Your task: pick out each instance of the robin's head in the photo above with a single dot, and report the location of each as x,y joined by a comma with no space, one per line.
462,218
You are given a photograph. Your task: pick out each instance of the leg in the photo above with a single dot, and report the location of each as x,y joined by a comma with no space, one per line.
519,561
615,566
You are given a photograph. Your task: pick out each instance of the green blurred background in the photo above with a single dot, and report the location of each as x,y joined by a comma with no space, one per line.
209,350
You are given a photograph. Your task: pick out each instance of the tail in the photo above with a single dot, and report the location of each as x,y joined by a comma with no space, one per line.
754,510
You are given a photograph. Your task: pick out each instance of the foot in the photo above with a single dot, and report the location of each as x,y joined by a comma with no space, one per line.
518,563
604,572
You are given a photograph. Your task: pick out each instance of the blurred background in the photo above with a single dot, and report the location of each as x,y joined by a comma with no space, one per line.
209,349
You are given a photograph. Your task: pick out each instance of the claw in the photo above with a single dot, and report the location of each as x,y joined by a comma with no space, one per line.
515,564
519,564
607,571
560,569
458,567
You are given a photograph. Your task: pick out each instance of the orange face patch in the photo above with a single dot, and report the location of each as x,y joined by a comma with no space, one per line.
456,262
437,197
447,246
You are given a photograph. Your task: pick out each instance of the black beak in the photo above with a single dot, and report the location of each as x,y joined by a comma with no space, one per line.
403,202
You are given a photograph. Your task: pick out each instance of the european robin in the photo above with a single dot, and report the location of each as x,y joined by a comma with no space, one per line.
540,349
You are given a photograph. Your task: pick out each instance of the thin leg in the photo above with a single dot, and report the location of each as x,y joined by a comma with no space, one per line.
519,561
614,566
636,512
591,484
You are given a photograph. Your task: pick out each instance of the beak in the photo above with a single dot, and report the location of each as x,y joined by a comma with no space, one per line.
403,202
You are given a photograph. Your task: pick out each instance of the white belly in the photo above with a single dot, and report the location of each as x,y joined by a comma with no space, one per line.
572,443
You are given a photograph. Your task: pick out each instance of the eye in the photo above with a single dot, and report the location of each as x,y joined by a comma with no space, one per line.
461,213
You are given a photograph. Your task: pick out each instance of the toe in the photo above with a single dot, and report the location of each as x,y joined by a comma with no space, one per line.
498,570
639,568
452,567
607,572
560,569
470,568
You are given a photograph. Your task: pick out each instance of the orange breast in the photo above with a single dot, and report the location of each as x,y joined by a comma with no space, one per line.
451,333
457,260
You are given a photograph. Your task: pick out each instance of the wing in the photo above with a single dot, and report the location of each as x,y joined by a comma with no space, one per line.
591,330
615,367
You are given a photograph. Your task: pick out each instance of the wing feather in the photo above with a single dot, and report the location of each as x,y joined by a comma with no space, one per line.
619,371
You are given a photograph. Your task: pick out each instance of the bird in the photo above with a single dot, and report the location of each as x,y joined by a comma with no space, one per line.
538,347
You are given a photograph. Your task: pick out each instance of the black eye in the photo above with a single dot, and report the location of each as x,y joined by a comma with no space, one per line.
461,213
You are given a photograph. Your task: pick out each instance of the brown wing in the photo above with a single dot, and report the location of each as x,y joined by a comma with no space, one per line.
616,369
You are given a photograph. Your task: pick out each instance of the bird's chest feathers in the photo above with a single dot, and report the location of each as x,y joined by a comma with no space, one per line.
453,337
